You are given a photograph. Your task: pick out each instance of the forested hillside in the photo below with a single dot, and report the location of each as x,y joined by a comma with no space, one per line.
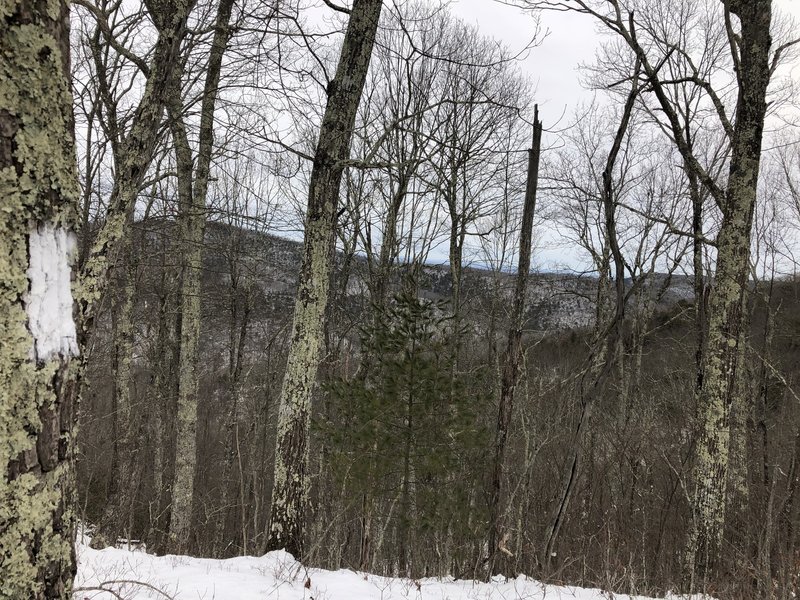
631,508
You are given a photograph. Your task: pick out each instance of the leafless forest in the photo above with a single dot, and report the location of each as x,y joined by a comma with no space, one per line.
310,309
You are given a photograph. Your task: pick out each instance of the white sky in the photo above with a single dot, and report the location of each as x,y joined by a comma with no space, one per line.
554,66
567,40
572,39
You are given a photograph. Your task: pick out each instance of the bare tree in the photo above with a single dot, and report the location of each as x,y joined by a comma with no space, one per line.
498,536
112,246
754,62
136,150
290,492
193,178
609,323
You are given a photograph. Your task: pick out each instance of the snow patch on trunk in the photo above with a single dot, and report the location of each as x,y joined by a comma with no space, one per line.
48,302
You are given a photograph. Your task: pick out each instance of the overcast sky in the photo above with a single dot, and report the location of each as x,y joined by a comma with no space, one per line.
553,64
572,39
566,41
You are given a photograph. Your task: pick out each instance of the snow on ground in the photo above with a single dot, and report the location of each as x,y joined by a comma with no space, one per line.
277,576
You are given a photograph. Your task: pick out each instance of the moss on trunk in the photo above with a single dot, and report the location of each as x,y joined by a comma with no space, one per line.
39,191
290,490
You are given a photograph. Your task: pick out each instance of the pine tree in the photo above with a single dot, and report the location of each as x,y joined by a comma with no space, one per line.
401,433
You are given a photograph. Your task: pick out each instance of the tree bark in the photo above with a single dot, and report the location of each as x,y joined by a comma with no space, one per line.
132,157
121,486
237,341
163,359
38,338
730,280
290,488
511,365
192,191
191,224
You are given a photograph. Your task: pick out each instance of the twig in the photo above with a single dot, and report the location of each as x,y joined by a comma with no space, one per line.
102,587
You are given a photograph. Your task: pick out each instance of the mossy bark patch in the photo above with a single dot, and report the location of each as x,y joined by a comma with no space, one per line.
39,192
291,487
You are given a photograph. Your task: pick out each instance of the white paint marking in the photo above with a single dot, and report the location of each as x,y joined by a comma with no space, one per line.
48,302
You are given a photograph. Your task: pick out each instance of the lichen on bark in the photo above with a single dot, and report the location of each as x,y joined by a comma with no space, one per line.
726,319
291,486
38,187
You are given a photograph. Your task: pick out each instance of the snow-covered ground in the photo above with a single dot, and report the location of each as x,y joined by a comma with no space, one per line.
277,576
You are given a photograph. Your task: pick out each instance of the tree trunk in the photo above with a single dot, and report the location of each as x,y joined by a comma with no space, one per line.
514,348
157,397
166,394
233,414
698,276
192,191
113,520
38,379
290,488
132,158
601,362
191,226
730,280
404,525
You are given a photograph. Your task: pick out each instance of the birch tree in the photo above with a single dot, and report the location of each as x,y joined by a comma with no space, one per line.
291,486
39,191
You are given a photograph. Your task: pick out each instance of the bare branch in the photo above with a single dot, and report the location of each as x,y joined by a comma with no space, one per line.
336,7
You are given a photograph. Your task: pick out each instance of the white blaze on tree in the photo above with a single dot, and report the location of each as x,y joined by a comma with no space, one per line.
48,302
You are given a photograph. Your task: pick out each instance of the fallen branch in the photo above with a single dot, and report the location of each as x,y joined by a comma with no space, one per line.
103,587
